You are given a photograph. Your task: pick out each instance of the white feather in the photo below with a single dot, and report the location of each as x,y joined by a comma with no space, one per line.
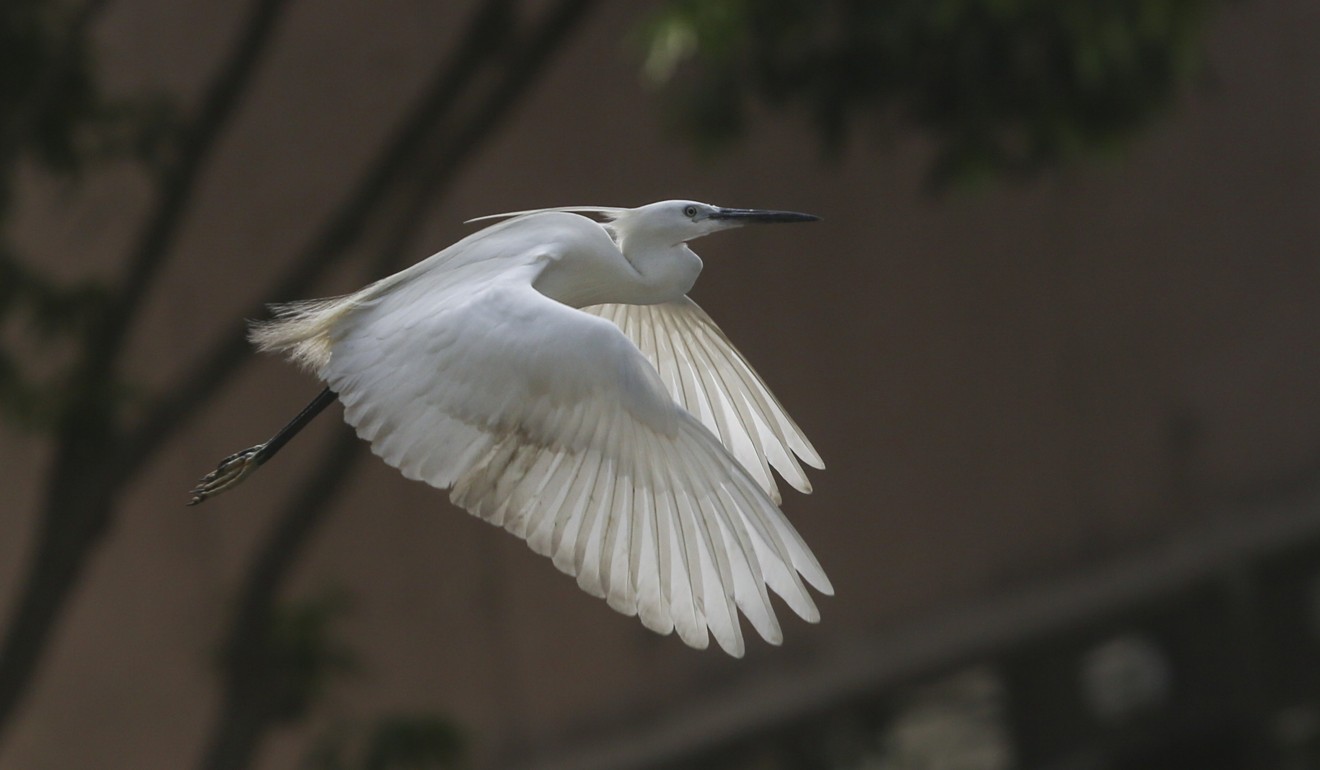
608,212
708,377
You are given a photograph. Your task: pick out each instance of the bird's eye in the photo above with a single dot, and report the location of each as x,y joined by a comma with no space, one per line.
689,211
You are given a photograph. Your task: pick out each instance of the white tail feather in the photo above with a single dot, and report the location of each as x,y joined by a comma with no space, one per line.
300,330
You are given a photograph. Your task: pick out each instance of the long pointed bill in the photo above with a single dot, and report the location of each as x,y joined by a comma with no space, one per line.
740,216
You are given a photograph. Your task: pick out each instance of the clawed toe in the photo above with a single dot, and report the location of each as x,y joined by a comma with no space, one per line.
228,473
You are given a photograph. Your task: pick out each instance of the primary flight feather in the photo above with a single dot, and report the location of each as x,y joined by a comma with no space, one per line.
550,371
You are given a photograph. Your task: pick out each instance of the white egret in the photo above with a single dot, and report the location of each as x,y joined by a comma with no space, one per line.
551,372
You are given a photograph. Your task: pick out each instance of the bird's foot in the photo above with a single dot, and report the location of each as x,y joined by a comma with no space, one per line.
229,473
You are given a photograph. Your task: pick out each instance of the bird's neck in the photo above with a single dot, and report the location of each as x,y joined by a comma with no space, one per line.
665,272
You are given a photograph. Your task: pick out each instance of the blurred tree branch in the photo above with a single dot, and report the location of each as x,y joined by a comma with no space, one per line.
82,490
256,696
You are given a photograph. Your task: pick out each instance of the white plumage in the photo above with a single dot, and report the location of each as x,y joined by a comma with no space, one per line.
550,371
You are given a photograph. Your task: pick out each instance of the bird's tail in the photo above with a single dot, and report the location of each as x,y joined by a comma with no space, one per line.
301,330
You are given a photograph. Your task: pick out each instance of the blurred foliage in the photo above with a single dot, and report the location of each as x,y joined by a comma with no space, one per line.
53,118
397,742
1002,87
52,110
294,662
286,661
294,655
47,92
35,394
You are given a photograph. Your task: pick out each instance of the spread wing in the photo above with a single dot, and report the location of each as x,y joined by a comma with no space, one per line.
549,422
706,374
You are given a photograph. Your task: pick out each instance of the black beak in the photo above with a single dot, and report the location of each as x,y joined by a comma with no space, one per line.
761,215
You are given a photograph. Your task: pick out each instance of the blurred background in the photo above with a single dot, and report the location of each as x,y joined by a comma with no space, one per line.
1056,337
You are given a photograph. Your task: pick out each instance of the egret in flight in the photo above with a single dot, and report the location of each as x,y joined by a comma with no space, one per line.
551,372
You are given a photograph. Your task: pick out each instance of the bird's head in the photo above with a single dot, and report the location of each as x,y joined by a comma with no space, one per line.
673,222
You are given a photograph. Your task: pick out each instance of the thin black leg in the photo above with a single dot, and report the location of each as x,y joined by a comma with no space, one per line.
323,399
240,465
